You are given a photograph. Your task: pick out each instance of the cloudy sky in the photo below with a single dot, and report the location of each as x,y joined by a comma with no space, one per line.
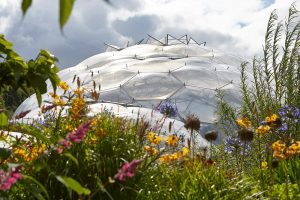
233,26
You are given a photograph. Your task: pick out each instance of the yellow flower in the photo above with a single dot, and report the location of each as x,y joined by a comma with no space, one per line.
30,154
170,157
54,95
79,91
293,149
150,150
185,151
59,102
172,140
278,146
264,165
156,139
263,130
244,122
63,85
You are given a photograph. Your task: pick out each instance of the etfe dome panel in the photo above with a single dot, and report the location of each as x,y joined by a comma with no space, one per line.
183,72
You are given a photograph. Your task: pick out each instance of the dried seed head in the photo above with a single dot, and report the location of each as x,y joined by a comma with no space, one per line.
192,122
246,135
274,164
211,136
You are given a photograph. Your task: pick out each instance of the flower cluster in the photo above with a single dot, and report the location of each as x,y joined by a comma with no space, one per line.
75,136
262,130
29,154
234,144
168,109
9,179
289,115
78,105
155,139
281,151
174,156
127,170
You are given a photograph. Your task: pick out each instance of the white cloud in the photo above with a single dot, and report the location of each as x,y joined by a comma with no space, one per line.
233,26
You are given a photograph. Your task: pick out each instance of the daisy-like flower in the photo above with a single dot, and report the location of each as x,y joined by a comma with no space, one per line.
172,140
185,151
155,139
273,121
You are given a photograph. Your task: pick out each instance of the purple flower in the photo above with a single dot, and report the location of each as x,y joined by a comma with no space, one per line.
234,144
79,134
168,109
127,170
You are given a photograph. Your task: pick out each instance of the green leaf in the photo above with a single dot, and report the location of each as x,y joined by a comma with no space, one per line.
65,9
25,5
4,154
73,185
71,157
38,183
3,119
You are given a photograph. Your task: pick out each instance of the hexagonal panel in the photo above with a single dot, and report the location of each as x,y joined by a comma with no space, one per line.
152,86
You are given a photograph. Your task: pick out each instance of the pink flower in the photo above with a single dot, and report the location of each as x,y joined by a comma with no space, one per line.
8,179
79,134
127,170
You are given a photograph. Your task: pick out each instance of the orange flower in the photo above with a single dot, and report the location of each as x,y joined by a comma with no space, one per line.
63,85
150,150
156,139
243,122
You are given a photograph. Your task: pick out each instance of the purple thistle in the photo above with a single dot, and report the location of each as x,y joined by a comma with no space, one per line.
79,134
127,170
168,109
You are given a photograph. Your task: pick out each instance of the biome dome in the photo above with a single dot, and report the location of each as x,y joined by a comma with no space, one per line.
178,70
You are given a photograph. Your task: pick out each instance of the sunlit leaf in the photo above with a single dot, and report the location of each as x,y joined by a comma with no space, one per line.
25,5
65,9
3,119
73,185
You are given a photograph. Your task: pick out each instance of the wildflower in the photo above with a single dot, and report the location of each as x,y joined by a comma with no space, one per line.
168,109
54,95
79,91
245,135
79,134
150,150
170,157
156,139
185,151
192,122
264,165
65,143
262,130
278,146
293,149
211,136
127,170
78,104
9,179
59,102
234,144
172,140
29,154
273,121
244,122
63,85
289,114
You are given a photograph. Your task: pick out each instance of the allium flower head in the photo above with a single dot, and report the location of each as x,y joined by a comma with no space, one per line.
168,109
127,170
192,122
211,136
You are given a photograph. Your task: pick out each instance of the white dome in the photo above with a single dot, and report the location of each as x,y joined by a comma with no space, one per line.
143,75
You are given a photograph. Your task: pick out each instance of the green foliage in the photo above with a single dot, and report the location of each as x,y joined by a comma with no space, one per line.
65,9
16,74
